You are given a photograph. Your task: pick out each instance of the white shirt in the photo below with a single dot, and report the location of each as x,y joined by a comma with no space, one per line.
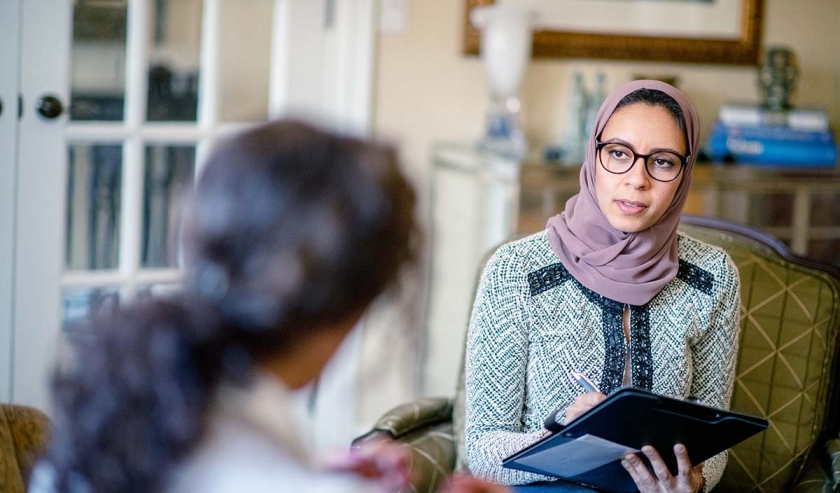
251,445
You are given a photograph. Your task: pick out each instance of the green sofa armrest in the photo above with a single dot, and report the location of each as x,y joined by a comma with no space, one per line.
424,428
416,415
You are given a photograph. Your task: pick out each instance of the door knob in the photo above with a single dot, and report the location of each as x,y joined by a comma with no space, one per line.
49,106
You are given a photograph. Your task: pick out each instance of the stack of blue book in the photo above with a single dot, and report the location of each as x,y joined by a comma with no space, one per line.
751,134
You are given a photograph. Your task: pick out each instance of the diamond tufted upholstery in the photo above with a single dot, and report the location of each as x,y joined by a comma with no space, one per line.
24,433
787,372
787,361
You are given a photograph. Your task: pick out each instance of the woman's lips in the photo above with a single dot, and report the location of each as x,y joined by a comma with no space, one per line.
630,207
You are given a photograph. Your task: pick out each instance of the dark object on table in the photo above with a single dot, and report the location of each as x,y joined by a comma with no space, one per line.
778,76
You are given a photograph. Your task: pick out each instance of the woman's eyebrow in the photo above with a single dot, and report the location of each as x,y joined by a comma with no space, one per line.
621,141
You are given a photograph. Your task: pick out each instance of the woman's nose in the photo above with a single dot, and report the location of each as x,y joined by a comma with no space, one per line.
637,176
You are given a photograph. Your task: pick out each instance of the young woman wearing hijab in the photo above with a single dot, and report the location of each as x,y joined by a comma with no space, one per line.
291,233
609,289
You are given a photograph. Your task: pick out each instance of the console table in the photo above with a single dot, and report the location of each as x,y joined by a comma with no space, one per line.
801,207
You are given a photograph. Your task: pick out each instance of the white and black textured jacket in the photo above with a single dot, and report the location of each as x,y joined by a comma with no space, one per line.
532,323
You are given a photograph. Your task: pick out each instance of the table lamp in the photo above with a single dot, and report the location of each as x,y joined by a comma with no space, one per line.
505,51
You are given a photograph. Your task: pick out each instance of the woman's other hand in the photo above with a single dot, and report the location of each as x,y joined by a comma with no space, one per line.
383,463
689,479
469,484
583,403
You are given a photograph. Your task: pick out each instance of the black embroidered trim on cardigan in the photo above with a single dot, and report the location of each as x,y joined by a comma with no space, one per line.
614,361
641,361
696,277
548,277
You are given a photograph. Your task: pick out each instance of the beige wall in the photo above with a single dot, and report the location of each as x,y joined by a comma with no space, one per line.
427,92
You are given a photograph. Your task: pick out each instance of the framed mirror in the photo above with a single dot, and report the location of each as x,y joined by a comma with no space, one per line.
695,31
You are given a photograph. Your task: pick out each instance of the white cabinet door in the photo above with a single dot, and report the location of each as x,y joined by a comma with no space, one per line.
40,185
9,52
145,86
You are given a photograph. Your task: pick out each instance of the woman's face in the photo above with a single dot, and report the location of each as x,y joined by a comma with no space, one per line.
633,201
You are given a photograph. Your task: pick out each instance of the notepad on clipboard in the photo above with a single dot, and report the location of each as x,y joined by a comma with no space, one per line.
589,450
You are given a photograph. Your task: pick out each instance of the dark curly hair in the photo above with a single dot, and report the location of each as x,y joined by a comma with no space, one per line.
290,228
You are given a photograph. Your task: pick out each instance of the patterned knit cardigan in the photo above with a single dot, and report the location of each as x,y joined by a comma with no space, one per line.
533,323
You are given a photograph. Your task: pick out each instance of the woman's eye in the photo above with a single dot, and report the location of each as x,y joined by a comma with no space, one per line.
618,154
661,162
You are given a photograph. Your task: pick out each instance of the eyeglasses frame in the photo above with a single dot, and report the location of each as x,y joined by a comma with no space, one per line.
600,145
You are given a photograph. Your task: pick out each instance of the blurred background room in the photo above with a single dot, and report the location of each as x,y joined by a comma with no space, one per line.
107,108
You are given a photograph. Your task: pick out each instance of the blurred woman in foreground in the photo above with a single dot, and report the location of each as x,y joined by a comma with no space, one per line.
291,233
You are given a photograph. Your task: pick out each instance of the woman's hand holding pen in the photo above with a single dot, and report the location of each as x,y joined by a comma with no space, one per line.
582,403
585,401
689,479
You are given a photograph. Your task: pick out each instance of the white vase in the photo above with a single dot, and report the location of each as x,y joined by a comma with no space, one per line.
505,51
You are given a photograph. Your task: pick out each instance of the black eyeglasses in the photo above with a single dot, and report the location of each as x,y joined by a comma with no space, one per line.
618,158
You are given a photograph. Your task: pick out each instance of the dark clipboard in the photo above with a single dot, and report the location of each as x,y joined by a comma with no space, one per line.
633,417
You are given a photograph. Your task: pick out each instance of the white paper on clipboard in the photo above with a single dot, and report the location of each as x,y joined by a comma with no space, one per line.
577,456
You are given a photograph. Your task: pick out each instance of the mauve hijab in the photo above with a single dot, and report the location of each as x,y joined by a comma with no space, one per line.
629,268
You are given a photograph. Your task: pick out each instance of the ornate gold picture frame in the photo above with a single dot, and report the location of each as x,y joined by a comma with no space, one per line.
744,50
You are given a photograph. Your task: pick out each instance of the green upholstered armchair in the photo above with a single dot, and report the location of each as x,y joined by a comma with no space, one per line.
24,433
787,372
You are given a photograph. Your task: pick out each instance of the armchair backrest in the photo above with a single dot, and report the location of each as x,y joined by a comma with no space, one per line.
787,361
24,432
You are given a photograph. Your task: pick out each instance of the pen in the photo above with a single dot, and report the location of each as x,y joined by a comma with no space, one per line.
583,381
